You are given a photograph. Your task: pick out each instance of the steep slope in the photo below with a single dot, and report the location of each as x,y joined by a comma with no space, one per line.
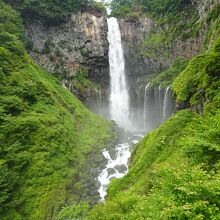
46,135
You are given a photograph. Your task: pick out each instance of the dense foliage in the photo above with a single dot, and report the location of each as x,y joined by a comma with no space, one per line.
52,10
166,78
174,173
176,21
199,82
46,134
155,8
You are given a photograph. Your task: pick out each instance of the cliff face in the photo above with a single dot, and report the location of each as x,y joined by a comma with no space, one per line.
143,59
133,33
82,42
63,49
150,48
204,6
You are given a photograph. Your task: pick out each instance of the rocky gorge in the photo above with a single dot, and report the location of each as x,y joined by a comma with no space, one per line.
78,49
109,117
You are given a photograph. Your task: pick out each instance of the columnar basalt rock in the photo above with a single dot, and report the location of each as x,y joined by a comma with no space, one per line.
134,31
64,48
143,60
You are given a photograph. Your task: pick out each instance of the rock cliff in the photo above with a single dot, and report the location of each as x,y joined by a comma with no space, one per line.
146,58
65,48
133,32
152,45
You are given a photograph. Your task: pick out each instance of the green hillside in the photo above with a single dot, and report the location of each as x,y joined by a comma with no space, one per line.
46,134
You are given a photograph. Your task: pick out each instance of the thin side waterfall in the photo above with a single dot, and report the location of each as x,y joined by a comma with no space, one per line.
138,94
160,107
119,99
145,105
100,97
99,100
166,103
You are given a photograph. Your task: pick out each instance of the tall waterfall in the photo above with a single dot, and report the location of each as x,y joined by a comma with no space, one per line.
119,99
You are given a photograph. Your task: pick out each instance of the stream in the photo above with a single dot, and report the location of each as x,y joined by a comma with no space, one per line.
117,164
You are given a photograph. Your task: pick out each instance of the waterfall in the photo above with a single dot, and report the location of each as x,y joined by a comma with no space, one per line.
160,106
100,97
166,103
145,105
119,99
138,94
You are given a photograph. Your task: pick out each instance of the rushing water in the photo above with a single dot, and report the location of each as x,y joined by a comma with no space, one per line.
119,98
117,167
119,109
166,103
154,110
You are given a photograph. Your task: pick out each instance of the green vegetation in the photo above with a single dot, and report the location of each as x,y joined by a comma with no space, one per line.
53,11
154,45
46,134
155,8
75,211
81,82
10,21
177,20
200,80
167,77
213,21
174,171
170,12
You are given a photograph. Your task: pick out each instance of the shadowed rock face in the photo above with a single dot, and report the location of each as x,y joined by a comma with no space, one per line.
135,30
64,48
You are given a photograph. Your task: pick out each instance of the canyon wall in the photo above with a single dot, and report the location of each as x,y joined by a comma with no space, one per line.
75,49
144,59
81,43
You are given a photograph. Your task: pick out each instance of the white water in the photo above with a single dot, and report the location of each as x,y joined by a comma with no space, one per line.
160,106
119,99
118,167
145,105
166,103
119,110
